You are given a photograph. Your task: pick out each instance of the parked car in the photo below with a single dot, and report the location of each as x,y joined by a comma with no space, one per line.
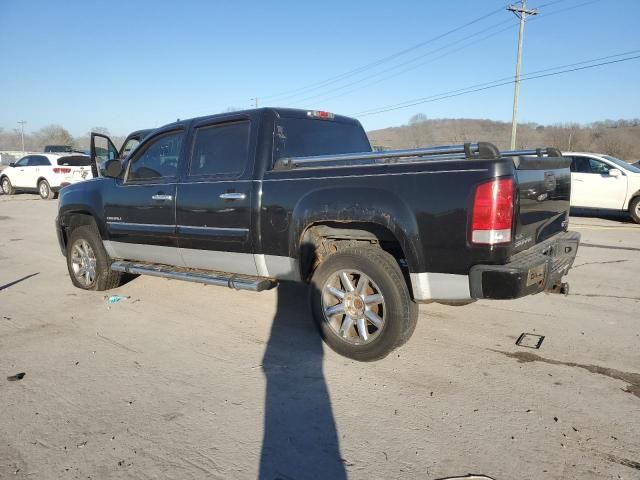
45,173
248,199
58,149
603,182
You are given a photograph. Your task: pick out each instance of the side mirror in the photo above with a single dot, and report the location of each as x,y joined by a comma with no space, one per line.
12,164
112,168
614,172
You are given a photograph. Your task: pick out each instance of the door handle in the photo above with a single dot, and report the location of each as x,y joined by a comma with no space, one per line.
577,180
162,197
233,196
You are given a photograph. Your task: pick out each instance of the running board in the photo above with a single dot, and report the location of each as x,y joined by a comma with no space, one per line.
238,282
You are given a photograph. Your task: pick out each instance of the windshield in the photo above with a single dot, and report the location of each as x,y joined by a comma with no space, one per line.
623,164
304,137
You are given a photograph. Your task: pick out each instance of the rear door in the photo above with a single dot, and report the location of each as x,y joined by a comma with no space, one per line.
37,168
593,187
140,208
214,198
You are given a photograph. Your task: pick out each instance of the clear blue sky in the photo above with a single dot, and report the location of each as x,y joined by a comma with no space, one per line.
136,64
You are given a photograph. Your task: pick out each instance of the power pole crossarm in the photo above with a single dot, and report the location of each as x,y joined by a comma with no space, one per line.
521,12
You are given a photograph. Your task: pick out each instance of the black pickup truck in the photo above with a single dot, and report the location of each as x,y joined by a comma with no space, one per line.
248,199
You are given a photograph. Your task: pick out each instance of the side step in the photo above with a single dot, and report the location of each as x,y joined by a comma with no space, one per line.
238,282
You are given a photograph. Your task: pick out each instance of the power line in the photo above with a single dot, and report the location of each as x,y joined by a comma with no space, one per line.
323,96
444,47
371,65
435,98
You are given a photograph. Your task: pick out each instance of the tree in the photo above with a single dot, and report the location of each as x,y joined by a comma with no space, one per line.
52,135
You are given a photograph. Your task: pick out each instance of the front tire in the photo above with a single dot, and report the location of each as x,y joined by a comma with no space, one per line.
87,261
361,304
44,189
7,188
634,209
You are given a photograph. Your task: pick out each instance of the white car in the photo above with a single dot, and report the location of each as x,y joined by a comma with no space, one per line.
45,173
604,182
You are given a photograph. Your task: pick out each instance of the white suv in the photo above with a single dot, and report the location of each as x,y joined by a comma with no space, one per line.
604,182
45,173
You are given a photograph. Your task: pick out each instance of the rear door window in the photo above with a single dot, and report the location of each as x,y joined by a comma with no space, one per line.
220,150
38,161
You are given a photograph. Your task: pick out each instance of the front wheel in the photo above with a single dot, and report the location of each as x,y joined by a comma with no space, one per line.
7,188
88,263
361,303
634,209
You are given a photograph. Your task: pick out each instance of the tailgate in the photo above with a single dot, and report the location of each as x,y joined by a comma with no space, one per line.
79,166
543,192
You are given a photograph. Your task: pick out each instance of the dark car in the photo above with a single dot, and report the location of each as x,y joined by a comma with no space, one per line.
249,199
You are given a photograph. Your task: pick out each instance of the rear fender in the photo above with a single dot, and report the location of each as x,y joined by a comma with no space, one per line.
361,205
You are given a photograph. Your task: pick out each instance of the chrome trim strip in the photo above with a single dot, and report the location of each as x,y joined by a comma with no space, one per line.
282,268
429,286
222,229
140,224
143,253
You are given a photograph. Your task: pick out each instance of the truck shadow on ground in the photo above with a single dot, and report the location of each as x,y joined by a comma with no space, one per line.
300,436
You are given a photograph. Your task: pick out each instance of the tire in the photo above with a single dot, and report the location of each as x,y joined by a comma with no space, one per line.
385,295
44,189
7,188
634,209
86,253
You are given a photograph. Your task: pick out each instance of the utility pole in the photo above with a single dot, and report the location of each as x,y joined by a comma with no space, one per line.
255,101
521,12
21,123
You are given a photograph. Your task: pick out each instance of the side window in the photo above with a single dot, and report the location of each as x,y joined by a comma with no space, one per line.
220,150
158,160
38,161
23,162
599,167
131,144
580,165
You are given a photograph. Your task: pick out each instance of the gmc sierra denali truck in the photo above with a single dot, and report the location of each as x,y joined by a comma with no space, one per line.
251,198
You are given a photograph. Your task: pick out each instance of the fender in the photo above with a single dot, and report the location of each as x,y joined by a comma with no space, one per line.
77,198
360,204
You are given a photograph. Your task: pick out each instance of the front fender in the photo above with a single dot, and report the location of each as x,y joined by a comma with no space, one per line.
360,204
83,198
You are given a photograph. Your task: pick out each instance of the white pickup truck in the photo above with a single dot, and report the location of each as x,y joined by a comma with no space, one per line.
45,173
603,182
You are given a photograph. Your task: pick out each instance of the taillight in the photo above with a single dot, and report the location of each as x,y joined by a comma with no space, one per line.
492,216
61,170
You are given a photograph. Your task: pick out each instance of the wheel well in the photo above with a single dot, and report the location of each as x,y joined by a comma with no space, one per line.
320,240
40,179
71,221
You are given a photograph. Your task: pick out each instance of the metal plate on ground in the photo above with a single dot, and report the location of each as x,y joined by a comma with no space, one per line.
530,340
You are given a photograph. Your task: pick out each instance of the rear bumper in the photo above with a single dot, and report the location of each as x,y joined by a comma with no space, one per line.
539,268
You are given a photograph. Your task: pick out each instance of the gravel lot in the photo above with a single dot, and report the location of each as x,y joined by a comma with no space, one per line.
187,381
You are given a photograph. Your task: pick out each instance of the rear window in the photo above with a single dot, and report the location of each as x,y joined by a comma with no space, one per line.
305,137
75,161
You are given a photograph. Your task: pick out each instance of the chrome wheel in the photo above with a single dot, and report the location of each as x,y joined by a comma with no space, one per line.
44,189
5,186
353,306
638,209
83,262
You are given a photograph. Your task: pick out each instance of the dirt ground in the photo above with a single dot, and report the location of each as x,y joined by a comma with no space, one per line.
186,381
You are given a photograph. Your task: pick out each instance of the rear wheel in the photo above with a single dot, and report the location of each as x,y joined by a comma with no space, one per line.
87,261
361,303
44,189
7,188
634,209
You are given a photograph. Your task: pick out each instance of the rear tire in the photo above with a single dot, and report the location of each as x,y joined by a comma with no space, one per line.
87,261
362,321
44,189
634,209
7,188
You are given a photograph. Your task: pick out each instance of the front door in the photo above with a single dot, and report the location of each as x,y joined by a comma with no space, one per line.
140,207
213,211
20,173
593,187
